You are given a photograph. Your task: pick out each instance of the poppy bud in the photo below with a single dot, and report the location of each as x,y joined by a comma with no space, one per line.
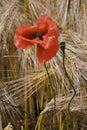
62,46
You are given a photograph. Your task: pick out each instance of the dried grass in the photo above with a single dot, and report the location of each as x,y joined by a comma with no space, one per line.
71,16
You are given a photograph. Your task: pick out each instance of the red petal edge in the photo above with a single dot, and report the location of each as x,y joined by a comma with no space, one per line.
44,55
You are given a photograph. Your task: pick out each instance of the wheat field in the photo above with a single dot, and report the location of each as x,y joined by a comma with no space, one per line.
26,97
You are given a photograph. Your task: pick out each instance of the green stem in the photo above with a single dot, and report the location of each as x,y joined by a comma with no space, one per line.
71,86
51,87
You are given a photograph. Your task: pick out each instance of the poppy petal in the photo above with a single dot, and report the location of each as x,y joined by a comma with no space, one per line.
24,36
21,42
54,31
51,32
44,19
44,55
27,30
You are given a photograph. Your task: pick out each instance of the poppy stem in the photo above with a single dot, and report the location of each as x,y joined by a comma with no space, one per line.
62,46
51,87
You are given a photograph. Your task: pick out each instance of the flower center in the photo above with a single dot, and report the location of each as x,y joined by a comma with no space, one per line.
38,34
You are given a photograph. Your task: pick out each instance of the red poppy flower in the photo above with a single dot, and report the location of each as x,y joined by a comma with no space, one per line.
44,33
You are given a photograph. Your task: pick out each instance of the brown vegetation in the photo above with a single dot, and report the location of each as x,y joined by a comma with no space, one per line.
26,98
